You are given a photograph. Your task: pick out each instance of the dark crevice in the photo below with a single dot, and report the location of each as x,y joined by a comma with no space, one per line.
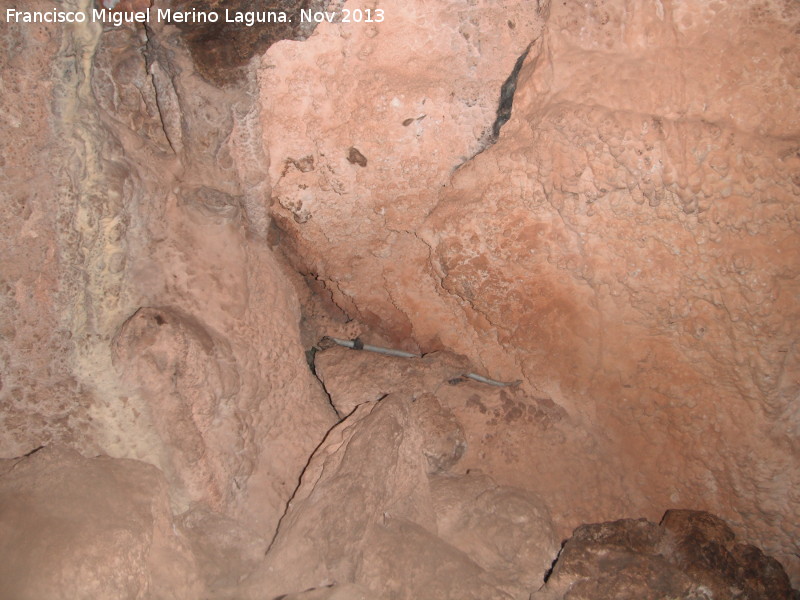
32,452
221,49
310,354
507,96
549,571
507,91
300,478
310,360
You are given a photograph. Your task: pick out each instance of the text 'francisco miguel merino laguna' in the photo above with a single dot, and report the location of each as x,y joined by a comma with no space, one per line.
167,15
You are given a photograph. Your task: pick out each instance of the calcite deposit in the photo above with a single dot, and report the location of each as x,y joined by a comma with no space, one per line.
591,205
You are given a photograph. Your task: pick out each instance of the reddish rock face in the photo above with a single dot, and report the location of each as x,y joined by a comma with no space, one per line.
596,199
414,525
628,246
90,528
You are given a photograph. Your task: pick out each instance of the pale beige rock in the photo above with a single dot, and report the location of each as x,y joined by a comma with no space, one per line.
147,205
100,528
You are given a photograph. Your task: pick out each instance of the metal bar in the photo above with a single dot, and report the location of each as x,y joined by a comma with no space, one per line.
357,345
494,382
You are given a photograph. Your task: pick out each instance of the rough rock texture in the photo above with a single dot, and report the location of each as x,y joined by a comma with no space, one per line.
394,500
116,541
380,506
520,439
226,549
333,592
690,555
143,313
221,50
367,123
40,398
597,198
629,247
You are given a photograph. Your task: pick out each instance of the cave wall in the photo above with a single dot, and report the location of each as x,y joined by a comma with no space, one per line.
144,315
625,245
628,246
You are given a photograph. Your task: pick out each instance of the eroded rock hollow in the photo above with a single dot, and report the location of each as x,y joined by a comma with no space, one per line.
387,299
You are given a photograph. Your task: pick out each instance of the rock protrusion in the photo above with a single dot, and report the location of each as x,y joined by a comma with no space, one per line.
691,555
100,528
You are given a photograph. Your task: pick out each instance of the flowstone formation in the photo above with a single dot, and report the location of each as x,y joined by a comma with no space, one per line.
590,206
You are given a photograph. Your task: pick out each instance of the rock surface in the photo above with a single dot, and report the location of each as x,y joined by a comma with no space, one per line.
596,199
628,247
144,315
72,527
373,509
690,555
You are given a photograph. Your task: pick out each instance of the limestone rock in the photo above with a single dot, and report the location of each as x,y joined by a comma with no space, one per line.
226,550
690,555
333,592
628,247
415,94
507,531
73,527
189,377
186,209
369,511
136,195
519,439
352,378
41,399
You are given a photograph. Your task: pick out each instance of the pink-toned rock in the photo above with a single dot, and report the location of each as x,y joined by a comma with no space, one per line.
225,549
352,378
648,287
628,247
413,96
519,439
136,196
504,530
41,399
372,511
101,528
332,592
